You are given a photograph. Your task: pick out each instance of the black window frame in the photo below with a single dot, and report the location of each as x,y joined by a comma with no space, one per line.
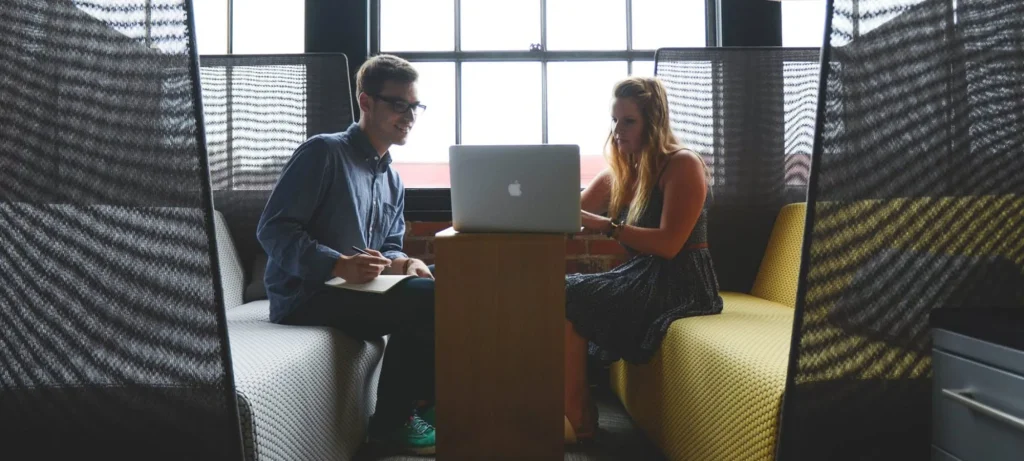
542,55
434,204
353,28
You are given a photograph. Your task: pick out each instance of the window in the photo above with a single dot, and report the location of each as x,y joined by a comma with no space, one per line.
578,105
426,151
250,26
803,23
514,71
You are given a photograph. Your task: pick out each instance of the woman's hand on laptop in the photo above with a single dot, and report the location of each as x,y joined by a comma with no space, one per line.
361,268
595,223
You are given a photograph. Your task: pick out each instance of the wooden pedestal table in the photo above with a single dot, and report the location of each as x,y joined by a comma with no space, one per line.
500,326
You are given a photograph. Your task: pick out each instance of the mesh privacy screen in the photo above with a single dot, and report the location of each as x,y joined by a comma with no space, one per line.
915,204
112,333
259,108
750,113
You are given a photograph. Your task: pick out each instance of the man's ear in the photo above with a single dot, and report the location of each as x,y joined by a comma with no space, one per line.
364,102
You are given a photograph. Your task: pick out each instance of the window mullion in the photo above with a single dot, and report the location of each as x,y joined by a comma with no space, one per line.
629,35
231,26
544,70
544,100
629,25
712,23
523,56
458,102
458,72
543,26
374,39
458,26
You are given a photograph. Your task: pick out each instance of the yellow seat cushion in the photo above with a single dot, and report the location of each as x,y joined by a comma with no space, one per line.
713,390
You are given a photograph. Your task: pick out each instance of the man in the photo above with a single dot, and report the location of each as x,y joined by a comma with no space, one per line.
336,193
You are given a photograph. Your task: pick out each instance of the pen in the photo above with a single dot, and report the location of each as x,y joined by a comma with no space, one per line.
354,248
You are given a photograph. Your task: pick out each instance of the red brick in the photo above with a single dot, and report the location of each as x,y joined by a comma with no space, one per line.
426,229
591,265
575,247
572,266
416,248
606,247
590,234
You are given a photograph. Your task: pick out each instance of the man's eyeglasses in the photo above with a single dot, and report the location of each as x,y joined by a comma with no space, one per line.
400,105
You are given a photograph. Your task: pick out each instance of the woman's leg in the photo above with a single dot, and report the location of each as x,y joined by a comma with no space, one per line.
579,409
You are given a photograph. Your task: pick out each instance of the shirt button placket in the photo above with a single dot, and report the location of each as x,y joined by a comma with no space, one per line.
373,209
375,200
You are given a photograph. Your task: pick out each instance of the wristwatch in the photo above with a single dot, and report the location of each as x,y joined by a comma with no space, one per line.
616,228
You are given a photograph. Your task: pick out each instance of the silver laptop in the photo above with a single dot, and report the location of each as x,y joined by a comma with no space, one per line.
526,188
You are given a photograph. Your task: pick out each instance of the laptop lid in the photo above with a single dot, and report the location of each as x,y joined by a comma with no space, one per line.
516,188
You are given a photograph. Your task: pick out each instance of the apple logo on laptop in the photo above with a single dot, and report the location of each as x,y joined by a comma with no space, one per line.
514,189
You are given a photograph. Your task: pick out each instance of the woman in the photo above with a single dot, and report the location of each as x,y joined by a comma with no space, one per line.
655,194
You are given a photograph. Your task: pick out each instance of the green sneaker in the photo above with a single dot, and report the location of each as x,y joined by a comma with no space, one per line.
416,436
427,414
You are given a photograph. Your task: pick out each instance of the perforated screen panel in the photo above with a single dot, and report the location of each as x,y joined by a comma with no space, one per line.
112,332
750,113
915,205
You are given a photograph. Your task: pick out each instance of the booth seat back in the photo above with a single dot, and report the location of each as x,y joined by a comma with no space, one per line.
232,277
780,268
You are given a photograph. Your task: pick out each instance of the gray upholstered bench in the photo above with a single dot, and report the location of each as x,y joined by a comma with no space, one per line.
304,393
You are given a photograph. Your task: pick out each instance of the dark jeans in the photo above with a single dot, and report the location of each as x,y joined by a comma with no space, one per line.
406,312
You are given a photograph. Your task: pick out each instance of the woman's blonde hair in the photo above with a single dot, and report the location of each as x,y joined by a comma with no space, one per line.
641,169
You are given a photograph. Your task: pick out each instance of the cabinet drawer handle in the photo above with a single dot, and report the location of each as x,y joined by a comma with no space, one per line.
963,396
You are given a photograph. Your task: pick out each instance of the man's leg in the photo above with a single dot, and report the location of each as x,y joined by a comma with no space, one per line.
406,312
407,374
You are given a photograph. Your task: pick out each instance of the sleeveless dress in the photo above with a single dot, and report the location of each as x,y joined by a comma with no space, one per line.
624,313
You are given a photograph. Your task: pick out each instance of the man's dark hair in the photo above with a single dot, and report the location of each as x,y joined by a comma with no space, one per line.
383,68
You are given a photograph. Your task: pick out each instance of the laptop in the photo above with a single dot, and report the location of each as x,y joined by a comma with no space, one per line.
524,188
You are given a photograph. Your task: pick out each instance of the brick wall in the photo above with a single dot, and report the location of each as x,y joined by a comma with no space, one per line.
587,253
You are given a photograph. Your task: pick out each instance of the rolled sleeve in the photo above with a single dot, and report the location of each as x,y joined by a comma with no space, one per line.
282,230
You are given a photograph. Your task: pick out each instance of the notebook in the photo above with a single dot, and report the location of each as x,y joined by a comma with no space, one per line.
381,284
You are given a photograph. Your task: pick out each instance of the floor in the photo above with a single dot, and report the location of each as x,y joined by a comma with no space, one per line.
617,439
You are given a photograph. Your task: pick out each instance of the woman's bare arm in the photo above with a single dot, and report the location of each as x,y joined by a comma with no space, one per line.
685,189
597,196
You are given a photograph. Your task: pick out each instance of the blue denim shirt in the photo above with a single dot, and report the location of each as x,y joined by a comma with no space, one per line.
335,192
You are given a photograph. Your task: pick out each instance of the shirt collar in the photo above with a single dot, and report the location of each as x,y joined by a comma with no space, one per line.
362,145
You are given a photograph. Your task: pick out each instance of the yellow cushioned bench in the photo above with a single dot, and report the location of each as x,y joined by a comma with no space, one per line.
713,391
